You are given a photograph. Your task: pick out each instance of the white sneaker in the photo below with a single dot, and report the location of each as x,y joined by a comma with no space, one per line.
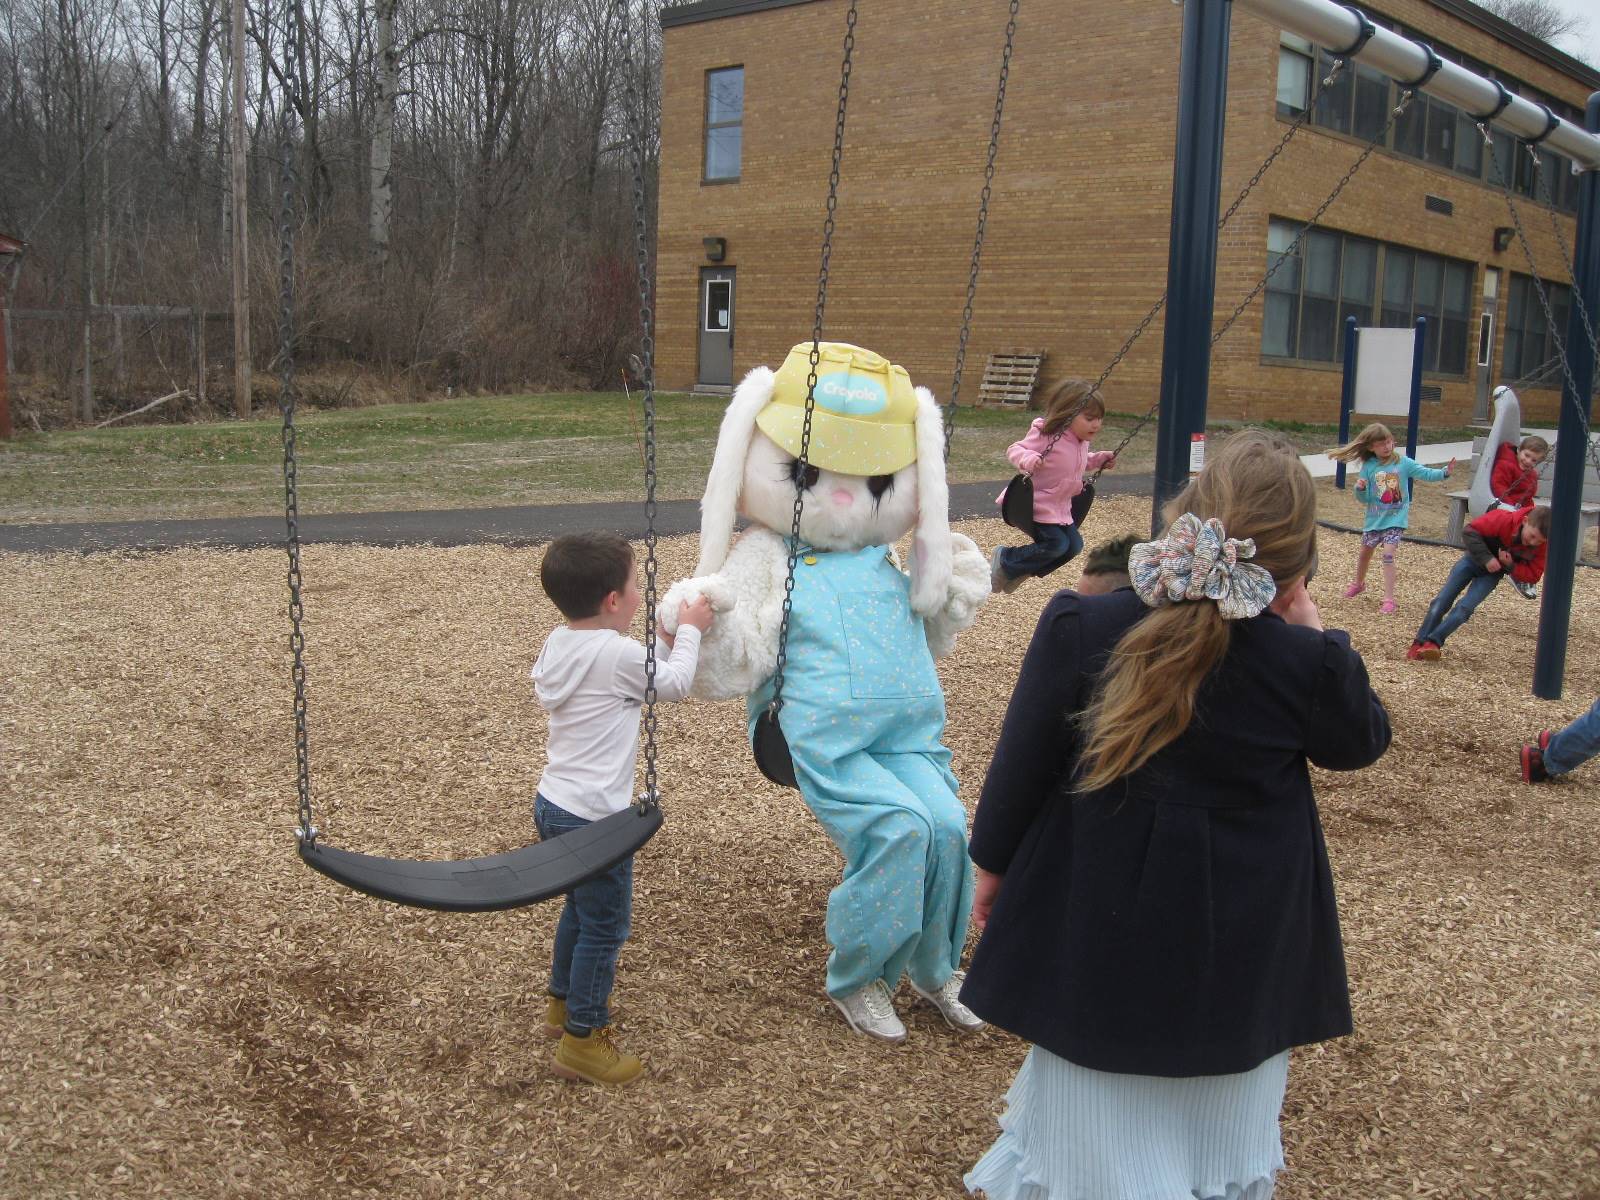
947,999
1527,589
870,1011
999,580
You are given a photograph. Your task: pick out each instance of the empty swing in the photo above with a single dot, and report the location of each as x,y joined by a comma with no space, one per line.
544,869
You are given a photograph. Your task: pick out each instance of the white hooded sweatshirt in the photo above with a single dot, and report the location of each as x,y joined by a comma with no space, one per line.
591,682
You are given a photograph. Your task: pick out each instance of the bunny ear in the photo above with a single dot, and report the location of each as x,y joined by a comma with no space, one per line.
720,503
930,565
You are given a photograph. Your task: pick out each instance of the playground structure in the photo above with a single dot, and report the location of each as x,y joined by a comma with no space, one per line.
1191,279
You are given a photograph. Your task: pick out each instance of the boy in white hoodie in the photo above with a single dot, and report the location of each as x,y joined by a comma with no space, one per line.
590,678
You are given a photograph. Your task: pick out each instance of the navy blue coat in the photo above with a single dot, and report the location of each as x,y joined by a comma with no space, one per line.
1181,922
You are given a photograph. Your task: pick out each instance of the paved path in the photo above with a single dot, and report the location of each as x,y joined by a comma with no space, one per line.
519,526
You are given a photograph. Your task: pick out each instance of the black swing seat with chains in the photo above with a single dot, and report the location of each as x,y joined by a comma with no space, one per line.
547,868
538,872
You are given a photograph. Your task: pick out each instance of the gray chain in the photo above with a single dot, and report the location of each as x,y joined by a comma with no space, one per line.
1544,302
1394,115
983,223
307,831
1567,256
816,355
638,119
1295,127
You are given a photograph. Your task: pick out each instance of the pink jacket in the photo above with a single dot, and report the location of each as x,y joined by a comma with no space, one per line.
1057,477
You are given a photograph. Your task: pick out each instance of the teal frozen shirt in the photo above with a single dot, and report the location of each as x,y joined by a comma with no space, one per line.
1388,494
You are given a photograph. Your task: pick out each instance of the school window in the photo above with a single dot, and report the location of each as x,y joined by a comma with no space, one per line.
1531,355
1330,276
724,122
1294,75
1360,102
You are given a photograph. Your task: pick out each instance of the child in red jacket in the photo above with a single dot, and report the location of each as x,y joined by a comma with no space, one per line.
1514,480
1501,542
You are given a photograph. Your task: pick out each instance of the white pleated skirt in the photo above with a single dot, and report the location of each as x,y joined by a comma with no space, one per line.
1070,1133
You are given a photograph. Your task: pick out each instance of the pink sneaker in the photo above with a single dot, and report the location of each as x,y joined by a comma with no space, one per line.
1355,589
1388,606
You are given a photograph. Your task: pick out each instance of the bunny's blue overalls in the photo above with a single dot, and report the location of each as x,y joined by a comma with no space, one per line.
863,715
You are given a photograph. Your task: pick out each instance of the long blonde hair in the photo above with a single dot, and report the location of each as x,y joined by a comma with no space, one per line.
1359,448
1257,487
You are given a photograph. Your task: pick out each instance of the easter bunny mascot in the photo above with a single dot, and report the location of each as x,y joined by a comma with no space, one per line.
862,710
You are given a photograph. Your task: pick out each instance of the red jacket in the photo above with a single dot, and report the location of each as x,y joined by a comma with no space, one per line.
1497,530
1508,481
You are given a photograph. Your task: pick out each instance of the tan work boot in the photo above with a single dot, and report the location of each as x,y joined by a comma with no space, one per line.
596,1058
555,1017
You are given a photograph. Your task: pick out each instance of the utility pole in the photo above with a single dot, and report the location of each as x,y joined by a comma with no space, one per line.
241,226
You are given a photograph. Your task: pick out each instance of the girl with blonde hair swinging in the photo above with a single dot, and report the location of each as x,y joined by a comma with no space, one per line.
1154,890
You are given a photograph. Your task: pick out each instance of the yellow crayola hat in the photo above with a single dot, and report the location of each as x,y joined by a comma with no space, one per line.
865,418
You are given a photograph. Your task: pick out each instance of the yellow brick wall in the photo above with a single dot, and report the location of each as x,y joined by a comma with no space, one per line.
1076,246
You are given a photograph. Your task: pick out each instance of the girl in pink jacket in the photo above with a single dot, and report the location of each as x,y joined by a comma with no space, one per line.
1056,453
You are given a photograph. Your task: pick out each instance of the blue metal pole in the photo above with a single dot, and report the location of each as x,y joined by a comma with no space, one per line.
1566,494
1347,395
1414,412
1192,247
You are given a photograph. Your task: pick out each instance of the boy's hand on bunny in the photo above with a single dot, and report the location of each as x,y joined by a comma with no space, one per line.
696,611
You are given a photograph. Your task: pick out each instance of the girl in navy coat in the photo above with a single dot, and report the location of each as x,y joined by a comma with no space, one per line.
1157,906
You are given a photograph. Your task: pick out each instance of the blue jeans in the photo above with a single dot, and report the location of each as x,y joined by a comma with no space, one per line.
1052,546
1575,745
595,921
1442,619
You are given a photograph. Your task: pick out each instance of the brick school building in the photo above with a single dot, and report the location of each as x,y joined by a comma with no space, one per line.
1075,251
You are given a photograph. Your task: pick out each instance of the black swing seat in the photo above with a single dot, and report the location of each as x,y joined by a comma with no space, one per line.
495,881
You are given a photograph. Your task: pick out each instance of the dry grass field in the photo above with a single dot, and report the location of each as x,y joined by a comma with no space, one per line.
188,1011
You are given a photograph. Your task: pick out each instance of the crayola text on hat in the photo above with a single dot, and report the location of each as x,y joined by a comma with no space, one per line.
865,418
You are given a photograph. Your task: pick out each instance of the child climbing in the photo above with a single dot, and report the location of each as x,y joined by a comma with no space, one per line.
1384,485
1056,453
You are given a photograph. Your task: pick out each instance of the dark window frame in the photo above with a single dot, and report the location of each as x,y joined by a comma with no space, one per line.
713,127
1300,324
1524,319
1431,131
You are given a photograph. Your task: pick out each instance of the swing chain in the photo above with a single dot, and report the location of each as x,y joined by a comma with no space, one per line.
1567,256
1295,127
802,463
983,222
635,104
1544,303
1394,115
307,830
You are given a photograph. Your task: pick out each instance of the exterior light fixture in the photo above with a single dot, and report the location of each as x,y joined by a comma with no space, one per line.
1502,237
716,248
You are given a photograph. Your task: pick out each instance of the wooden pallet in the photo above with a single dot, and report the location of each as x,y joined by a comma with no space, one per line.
1009,378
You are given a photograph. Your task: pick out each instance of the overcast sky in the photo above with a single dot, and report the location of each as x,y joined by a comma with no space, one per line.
1586,44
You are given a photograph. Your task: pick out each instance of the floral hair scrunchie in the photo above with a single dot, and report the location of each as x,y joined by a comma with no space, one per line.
1197,560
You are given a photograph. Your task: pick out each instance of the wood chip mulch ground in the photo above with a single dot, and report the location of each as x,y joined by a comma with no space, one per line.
188,1011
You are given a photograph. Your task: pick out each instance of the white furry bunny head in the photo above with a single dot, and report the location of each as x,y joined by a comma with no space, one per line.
752,474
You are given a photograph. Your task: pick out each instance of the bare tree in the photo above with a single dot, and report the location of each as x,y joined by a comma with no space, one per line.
1539,17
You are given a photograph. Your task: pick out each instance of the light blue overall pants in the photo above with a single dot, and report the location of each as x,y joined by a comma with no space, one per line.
863,715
